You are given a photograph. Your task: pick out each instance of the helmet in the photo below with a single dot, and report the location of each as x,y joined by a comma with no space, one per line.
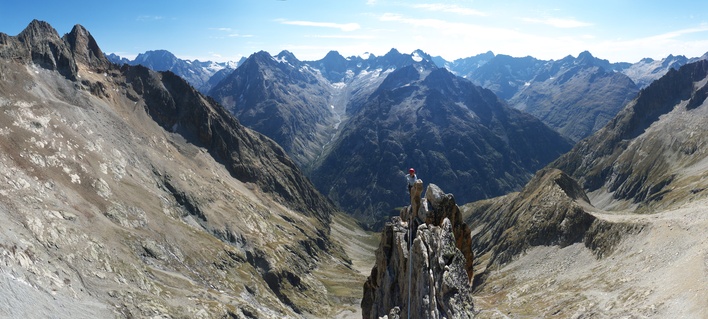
411,170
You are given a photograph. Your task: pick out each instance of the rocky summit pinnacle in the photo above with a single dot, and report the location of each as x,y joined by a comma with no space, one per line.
423,263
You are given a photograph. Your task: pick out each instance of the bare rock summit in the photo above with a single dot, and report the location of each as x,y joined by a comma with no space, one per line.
425,274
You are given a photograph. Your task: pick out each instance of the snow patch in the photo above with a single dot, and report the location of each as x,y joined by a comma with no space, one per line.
282,60
338,85
416,57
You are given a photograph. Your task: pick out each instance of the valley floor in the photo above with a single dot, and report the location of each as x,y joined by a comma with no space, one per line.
661,272
360,247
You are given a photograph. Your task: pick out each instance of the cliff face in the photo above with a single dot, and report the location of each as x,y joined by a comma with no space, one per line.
124,193
429,275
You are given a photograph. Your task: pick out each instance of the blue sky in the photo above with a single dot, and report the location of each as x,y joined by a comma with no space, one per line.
616,30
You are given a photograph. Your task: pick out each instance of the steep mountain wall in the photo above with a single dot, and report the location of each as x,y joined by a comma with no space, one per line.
427,277
127,194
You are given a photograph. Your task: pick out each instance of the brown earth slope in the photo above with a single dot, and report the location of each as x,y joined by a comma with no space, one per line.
124,193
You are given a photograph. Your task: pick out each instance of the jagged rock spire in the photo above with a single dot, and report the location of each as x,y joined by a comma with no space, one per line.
85,49
438,277
40,43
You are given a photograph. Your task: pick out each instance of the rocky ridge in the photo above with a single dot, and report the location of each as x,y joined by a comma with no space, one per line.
653,152
126,194
435,267
552,209
575,96
607,245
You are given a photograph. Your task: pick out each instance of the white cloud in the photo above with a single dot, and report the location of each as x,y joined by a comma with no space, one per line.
149,18
461,39
346,27
656,46
231,33
359,37
432,23
559,23
450,28
679,33
450,8
236,35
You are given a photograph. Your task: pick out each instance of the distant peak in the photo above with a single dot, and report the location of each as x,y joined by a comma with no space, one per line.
367,56
585,58
393,52
333,55
585,55
85,48
37,30
159,52
419,55
259,57
79,30
39,24
149,57
287,54
261,54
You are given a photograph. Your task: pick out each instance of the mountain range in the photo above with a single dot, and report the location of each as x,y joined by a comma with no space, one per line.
575,96
321,113
355,137
564,94
127,193
201,75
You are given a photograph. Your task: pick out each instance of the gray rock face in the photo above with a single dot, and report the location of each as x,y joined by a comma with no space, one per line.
431,277
124,193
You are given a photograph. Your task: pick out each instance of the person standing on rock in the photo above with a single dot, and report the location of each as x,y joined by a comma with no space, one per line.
411,178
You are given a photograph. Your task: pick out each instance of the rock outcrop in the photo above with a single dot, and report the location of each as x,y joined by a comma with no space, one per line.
548,211
40,44
426,274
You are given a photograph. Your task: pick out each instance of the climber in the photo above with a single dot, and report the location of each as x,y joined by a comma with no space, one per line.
411,178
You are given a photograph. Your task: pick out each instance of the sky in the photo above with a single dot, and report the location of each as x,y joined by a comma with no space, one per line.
226,30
